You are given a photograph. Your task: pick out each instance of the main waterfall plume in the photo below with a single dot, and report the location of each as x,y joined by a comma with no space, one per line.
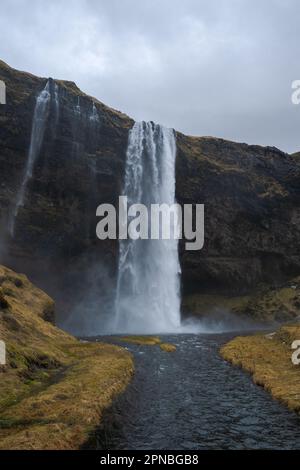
148,290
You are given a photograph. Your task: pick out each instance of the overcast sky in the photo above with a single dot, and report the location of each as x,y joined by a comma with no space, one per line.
205,67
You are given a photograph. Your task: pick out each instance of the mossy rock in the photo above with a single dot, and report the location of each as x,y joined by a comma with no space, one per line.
142,340
149,341
167,347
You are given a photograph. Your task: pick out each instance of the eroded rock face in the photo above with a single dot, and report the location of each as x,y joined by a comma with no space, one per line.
80,166
251,196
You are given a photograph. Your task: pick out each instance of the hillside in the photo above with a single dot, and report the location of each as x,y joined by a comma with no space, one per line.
54,388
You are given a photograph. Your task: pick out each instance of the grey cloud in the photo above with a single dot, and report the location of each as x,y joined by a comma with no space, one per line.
205,67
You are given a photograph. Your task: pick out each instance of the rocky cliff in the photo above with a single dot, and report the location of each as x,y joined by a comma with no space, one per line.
80,165
251,196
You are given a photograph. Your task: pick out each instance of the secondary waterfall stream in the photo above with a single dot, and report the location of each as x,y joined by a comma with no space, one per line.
37,134
148,290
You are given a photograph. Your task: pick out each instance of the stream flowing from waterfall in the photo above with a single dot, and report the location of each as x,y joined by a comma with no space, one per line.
192,399
148,289
40,116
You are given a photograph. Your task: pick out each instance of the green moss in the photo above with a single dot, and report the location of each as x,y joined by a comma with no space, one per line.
205,304
264,305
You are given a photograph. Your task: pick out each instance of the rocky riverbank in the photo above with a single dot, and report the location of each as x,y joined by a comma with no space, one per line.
268,357
53,388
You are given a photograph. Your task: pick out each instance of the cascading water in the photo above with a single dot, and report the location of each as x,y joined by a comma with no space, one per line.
56,102
40,116
148,290
78,107
94,117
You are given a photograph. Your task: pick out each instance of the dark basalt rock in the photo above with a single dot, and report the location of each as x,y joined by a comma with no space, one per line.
251,196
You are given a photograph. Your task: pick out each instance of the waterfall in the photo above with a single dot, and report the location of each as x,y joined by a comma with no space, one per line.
78,107
56,102
148,289
94,117
37,134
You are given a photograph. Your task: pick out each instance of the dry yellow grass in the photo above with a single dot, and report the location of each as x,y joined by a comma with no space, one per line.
268,359
149,341
167,347
142,340
54,388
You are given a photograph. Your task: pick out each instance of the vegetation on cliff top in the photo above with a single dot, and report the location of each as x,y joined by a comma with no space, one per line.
268,358
54,388
15,80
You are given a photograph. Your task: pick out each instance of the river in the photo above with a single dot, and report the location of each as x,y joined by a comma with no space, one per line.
192,399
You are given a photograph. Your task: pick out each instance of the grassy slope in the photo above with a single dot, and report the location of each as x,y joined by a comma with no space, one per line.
54,388
268,358
265,305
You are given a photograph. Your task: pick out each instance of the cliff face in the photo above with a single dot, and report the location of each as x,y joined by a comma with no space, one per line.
251,196
80,163
80,166
252,213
